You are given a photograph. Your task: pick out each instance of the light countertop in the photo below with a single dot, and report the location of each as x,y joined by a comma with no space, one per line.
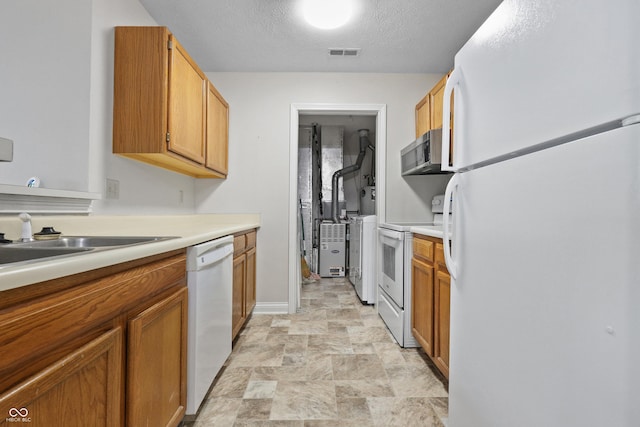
190,230
428,230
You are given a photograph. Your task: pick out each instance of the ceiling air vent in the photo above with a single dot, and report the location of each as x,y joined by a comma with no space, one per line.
344,52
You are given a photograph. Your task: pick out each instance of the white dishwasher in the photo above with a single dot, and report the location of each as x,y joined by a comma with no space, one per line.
210,280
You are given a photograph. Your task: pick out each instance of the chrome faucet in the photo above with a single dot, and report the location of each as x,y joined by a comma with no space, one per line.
26,235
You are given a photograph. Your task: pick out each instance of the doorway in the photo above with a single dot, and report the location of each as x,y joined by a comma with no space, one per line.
328,113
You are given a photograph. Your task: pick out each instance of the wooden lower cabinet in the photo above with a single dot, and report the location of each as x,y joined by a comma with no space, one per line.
238,315
422,308
81,389
430,299
250,296
244,279
156,367
442,291
100,348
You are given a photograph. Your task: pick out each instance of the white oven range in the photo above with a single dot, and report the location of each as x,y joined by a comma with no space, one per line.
395,250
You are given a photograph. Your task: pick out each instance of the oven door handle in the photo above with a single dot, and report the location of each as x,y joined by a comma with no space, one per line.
395,235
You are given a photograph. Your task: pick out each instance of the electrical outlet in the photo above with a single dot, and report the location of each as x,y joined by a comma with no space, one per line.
113,189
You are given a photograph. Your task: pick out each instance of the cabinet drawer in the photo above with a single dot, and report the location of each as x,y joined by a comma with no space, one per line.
239,244
251,239
85,383
423,248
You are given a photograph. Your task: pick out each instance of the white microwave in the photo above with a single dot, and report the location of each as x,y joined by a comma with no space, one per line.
423,156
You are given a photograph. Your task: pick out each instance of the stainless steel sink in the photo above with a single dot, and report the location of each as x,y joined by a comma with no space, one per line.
68,245
89,242
10,255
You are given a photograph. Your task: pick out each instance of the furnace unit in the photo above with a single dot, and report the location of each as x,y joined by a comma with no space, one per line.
333,254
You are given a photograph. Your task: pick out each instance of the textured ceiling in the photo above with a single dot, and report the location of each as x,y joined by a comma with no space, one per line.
397,36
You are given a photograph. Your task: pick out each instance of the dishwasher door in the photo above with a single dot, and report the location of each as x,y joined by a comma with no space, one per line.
209,278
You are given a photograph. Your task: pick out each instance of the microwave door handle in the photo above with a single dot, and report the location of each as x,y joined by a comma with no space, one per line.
452,82
451,191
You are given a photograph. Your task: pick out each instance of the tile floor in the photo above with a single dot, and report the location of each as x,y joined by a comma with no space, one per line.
332,364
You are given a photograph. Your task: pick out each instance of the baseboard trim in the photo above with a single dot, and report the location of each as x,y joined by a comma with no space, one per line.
271,308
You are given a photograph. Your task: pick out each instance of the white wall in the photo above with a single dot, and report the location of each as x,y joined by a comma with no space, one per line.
56,85
44,91
143,188
56,100
259,152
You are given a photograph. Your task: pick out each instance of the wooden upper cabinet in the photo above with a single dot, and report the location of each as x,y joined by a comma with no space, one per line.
423,116
429,109
160,103
436,96
217,131
187,104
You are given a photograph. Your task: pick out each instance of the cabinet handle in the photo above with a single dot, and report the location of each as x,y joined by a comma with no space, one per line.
451,191
452,82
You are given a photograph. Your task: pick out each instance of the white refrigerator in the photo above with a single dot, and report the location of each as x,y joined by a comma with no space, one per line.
545,237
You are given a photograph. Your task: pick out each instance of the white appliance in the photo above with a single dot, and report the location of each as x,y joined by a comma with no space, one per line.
437,207
395,250
209,281
368,200
333,249
423,155
362,256
545,292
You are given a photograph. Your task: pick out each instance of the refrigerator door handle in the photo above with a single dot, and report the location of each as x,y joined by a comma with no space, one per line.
452,82
361,250
452,189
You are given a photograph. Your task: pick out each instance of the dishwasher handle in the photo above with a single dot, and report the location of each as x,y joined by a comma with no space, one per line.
208,253
213,256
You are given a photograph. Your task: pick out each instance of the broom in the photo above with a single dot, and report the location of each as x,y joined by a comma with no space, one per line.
306,272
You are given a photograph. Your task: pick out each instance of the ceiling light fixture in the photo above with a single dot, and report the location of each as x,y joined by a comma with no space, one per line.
327,14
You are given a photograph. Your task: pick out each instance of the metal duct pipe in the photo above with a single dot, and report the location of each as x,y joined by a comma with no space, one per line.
364,144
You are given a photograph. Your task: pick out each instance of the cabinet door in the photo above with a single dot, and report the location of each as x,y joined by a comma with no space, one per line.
436,96
156,371
139,95
217,131
442,315
82,389
238,314
422,315
250,290
187,105
423,116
